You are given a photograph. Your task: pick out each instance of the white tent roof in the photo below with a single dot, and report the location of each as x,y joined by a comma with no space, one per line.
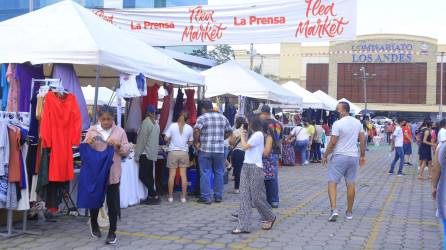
231,78
329,102
354,109
66,32
308,100
104,96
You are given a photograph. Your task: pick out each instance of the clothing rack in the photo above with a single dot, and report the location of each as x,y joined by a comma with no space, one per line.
10,231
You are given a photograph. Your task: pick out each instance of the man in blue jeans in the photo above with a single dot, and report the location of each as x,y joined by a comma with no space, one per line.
210,132
397,145
276,128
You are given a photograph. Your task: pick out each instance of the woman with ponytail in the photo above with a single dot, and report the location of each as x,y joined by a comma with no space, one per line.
179,135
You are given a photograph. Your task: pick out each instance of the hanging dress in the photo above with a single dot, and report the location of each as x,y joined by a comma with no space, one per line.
165,110
95,171
190,106
60,130
70,81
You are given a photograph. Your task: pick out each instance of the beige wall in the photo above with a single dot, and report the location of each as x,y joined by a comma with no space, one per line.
420,44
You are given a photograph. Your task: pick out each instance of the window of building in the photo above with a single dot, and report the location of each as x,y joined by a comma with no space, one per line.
403,83
317,77
10,9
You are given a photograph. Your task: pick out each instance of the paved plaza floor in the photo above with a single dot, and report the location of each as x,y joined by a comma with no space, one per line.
390,212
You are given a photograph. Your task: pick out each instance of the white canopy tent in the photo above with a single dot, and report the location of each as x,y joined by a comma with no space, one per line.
66,32
106,96
308,100
354,109
232,78
329,102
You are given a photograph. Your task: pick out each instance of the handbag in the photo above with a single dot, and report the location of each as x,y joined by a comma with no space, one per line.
296,146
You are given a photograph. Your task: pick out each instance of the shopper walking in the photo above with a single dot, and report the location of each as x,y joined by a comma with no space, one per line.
210,132
344,161
116,137
389,130
238,153
299,136
311,131
253,192
441,138
179,136
146,154
407,142
397,146
315,155
439,185
425,150
275,129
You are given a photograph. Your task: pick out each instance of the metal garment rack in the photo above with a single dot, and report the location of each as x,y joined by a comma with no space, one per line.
10,231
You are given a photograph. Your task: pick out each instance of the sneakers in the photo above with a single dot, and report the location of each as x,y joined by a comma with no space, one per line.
111,238
306,163
170,199
204,201
400,174
334,216
218,200
183,200
95,231
349,215
234,216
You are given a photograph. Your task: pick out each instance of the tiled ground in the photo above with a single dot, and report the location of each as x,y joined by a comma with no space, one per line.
390,213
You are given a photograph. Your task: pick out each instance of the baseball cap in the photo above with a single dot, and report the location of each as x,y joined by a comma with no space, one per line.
151,109
266,109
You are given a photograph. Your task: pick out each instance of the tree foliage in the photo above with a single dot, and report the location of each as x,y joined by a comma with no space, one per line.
221,53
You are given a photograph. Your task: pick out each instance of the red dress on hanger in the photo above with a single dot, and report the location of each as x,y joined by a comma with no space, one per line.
60,130
151,98
166,108
190,106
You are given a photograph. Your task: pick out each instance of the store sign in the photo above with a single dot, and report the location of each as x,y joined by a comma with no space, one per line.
383,53
266,22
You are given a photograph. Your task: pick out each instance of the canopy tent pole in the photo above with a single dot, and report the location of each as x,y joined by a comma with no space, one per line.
96,93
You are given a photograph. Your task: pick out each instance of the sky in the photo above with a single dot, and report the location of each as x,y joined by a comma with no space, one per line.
414,17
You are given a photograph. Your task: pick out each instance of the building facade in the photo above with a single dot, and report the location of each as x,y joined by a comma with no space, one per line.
407,70
13,8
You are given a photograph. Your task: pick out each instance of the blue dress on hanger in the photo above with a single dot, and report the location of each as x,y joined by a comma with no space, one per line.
94,174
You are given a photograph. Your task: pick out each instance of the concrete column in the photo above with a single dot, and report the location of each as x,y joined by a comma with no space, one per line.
290,61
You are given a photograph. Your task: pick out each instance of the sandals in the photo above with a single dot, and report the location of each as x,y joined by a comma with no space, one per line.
239,231
269,225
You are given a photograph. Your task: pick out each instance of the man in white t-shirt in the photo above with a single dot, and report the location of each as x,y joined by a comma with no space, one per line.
345,159
441,138
397,145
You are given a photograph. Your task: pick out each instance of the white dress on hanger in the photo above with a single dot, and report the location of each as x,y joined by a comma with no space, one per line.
23,203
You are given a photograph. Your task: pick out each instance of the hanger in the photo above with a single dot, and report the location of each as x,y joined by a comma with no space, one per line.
99,138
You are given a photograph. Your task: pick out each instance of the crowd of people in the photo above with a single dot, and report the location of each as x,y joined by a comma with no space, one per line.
253,149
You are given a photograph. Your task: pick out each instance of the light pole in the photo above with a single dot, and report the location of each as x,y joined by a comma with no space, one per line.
364,76
252,53
440,108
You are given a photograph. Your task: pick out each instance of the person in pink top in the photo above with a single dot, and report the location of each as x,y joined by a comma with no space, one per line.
116,137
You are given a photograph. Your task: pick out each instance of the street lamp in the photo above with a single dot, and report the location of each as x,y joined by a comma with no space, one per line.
364,76
252,54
